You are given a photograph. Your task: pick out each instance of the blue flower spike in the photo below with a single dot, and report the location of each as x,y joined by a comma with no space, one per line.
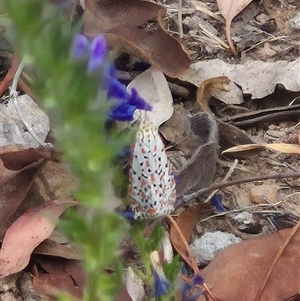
117,90
192,291
216,201
122,112
138,101
161,283
128,213
98,52
128,103
81,47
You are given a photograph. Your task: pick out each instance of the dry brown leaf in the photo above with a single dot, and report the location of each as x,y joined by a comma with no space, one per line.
126,26
280,147
187,221
28,231
229,9
14,188
237,272
51,248
59,275
17,156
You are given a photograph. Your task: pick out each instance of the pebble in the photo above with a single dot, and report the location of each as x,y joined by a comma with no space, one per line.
263,193
276,134
272,127
209,244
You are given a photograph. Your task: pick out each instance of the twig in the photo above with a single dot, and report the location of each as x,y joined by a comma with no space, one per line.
221,185
180,19
208,12
269,39
214,43
233,166
213,36
14,96
184,11
249,208
292,102
271,268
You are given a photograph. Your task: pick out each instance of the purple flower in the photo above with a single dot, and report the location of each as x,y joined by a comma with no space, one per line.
98,52
122,112
95,51
110,70
198,280
128,102
81,47
117,90
136,100
191,292
216,201
161,283
128,213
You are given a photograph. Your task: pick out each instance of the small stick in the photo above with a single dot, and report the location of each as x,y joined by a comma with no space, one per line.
180,19
208,12
213,36
232,168
249,208
221,185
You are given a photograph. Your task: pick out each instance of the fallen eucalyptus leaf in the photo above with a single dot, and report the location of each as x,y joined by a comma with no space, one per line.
51,248
280,147
229,9
153,87
135,27
17,156
254,77
28,231
187,221
59,276
14,188
237,273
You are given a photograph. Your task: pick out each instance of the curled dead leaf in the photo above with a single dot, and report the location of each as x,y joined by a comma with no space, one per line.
280,147
135,27
17,156
228,132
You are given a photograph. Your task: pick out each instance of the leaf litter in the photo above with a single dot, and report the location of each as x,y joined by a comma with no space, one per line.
246,264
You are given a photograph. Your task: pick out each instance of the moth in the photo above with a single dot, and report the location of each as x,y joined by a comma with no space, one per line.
152,187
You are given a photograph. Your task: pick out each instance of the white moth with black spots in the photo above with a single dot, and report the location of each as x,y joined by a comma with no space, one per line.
151,183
